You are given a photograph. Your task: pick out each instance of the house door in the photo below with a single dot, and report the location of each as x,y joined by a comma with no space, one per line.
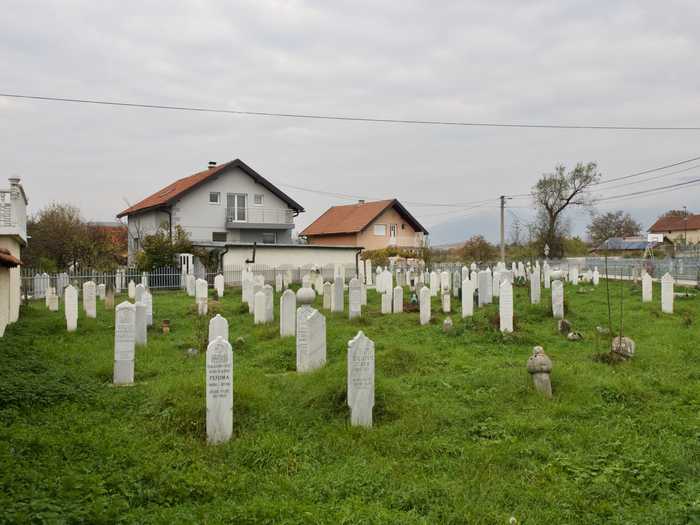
236,206
392,234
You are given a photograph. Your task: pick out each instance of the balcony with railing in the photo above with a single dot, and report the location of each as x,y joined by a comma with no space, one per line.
13,220
259,217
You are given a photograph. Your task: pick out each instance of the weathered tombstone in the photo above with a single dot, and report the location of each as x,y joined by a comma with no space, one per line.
467,298
101,291
38,285
456,283
288,308
124,341
90,299
246,288
53,303
201,296
148,301
338,303
361,380
218,327
505,306
71,308
667,294
318,284
557,299
496,283
306,281
219,378
259,308
269,303
386,302
444,282
279,284
573,275
138,293
398,300
355,298
646,288
465,273
327,295
144,279
132,289
540,366
446,303
109,298
535,291
424,298
434,284
363,294
219,285
368,272
256,287
596,276
624,347
62,282
311,333
489,286
141,328
484,279
119,279
191,285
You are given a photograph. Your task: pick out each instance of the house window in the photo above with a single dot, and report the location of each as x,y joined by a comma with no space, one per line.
392,230
218,236
258,199
403,226
214,197
269,238
236,207
380,230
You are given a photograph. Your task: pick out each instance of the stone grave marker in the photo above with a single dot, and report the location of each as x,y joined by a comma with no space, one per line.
398,299
446,303
338,303
424,299
667,293
557,299
288,308
219,285
467,298
201,296
355,298
259,308
139,291
148,301
218,327
368,272
269,303
109,298
71,308
219,378
505,306
101,291
311,333
483,282
361,380
132,290
124,344
90,299
535,291
386,302
434,284
646,288
141,332
456,283
327,295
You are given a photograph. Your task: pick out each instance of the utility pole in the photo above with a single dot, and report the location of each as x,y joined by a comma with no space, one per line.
685,227
503,228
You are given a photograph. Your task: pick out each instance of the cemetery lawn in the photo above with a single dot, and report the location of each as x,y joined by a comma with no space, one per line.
460,436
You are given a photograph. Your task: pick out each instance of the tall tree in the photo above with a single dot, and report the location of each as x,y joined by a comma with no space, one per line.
57,237
612,224
557,192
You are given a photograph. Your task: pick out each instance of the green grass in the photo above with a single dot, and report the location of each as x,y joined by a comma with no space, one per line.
460,436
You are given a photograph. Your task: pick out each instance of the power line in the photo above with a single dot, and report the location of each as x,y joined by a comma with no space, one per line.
642,192
378,120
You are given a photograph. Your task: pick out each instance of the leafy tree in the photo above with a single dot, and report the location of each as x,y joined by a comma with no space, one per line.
612,224
556,192
159,250
478,249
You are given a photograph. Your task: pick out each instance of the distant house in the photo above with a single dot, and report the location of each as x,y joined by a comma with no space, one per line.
371,225
13,237
225,204
625,245
678,228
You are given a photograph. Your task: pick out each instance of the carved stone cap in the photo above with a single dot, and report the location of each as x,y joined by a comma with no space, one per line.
538,362
305,296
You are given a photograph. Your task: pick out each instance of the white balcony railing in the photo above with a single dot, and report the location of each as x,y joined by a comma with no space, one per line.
7,220
258,215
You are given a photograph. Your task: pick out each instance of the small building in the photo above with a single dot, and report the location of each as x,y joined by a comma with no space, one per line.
679,229
625,246
13,237
372,225
225,204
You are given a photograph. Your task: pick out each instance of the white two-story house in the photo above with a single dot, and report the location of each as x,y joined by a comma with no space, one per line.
223,205
13,237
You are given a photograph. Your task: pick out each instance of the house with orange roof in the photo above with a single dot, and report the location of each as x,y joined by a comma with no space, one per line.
226,204
679,229
371,225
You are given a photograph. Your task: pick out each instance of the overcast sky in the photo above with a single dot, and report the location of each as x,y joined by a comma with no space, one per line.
626,63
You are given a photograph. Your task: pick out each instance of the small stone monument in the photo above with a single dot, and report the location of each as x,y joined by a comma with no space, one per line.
219,380
219,285
218,327
540,366
386,303
535,291
338,303
505,307
311,333
361,380
109,298
447,325
398,299
467,298
557,299
201,296
148,301
260,316
646,288
327,295
624,347
667,294
446,302
355,298
425,298
269,303
101,291
124,341
132,290
141,330
90,299
288,308
71,308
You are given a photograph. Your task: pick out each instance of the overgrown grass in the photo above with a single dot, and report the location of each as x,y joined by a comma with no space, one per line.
460,436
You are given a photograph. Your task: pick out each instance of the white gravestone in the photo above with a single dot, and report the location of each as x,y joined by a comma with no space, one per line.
219,378
368,272
269,303
191,285
219,285
141,331
361,380
434,284
327,295
90,299
398,300
71,308
646,288
596,276
489,287
573,275
279,284
456,283
132,289
311,333
355,298
363,294
288,308
535,291
425,306
467,298
386,303
667,294
148,301
124,343
138,293
259,308
201,296
444,282
53,303
557,299
483,282
101,291
446,303
505,306
338,303
218,327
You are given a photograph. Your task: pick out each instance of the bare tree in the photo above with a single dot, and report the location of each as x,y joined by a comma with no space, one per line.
556,192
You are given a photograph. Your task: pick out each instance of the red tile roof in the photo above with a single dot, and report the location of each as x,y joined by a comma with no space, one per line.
675,223
353,218
164,196
7,260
